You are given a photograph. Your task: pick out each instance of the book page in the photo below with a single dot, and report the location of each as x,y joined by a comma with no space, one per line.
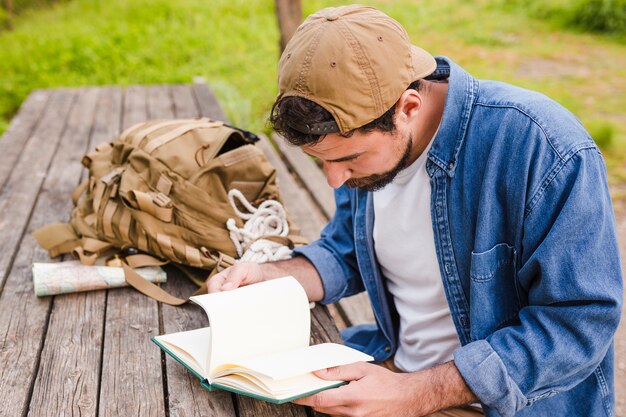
191,347
288,388
254,320
290,364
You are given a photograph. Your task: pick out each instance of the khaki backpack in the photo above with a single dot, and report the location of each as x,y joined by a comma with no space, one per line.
160,193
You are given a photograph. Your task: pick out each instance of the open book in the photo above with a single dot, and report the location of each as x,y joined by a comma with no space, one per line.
257,343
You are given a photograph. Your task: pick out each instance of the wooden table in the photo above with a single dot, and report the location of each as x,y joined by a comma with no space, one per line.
90,354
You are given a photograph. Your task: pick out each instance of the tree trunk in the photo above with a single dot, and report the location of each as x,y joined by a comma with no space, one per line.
8,6
289,16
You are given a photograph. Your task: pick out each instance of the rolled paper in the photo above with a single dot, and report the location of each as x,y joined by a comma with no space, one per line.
72,276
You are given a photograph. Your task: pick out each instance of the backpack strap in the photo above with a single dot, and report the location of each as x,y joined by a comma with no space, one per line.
60,238
141,259
156,204
141,134
290,241
57,238
154,291
78,191
179,131
122,137
151,290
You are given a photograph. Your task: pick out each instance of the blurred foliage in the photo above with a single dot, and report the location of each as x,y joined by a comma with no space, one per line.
599,16
602,132
20,6
142,42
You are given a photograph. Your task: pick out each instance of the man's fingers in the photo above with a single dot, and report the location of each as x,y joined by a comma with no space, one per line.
228,279
324,400
351,372
214,284
231,278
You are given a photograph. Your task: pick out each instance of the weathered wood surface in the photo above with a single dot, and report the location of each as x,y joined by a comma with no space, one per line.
24,317
69,372
90,354
21,130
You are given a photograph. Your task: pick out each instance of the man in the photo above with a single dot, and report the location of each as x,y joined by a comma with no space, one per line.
475,214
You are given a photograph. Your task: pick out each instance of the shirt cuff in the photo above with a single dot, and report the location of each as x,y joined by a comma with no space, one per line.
331,273
485,374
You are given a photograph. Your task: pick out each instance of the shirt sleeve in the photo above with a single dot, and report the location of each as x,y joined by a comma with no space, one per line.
569,265
333,255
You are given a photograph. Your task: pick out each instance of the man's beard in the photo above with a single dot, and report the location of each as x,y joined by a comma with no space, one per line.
377,182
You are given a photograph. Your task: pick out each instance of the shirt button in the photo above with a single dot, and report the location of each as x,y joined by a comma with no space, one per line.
387,348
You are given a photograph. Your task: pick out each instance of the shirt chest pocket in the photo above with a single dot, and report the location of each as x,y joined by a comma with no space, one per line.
494,301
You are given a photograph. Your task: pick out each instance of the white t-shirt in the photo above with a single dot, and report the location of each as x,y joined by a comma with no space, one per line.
405,248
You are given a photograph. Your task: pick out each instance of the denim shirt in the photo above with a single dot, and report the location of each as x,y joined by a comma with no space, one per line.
527,249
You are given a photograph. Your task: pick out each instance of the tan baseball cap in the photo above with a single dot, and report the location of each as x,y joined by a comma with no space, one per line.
354,61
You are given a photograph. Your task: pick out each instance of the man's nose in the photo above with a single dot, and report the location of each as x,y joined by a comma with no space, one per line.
336,174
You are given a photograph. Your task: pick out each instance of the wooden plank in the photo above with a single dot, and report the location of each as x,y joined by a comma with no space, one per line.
107,120
207,103
323,327
159,103
186,397
132,383
185,105
310,175
131,379
249,407
20,130
19,193
75,327
135,106
23,316
77,320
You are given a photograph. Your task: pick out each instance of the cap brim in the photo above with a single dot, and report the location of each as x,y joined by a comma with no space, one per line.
423,63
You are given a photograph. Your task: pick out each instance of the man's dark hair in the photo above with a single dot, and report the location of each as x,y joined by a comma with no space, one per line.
290,111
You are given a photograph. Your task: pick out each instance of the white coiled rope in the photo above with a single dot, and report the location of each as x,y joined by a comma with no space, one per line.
269,219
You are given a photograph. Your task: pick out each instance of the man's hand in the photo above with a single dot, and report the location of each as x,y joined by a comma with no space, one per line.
238,275
246,273
377,392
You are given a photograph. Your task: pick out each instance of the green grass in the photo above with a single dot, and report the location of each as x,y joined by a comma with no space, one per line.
231,44
234,45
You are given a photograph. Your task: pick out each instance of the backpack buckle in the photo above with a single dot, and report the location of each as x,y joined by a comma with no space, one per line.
162,200
112,176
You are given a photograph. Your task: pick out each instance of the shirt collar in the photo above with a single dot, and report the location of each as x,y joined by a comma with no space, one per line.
462,92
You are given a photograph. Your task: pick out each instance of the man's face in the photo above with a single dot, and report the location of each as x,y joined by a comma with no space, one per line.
365,161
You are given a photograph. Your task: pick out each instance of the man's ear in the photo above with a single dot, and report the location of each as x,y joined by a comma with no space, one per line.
409,105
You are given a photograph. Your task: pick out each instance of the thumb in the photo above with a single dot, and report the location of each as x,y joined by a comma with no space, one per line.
351,372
